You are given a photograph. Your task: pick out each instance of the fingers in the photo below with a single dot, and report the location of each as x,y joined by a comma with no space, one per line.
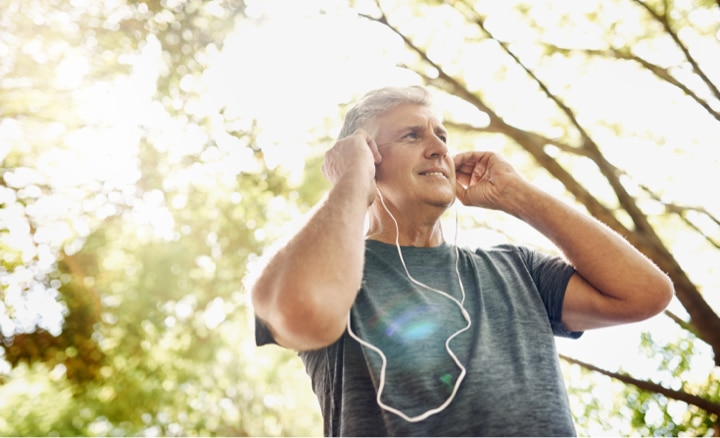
356,151
468,160
471,167
377,158
485,179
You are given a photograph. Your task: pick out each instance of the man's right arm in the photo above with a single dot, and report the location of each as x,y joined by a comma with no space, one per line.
305,291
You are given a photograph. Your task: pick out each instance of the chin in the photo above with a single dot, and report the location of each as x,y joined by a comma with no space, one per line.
443,201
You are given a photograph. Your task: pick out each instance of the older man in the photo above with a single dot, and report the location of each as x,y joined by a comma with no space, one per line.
403,333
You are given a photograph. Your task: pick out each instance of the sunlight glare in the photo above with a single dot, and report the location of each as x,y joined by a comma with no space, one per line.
293,73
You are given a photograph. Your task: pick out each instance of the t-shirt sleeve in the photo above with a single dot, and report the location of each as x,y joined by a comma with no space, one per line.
551,275
263,336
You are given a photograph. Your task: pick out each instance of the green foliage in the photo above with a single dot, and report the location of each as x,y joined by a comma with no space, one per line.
170,320
74,348
655,413
155,330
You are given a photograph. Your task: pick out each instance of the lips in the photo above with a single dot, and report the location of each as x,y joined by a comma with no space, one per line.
437,171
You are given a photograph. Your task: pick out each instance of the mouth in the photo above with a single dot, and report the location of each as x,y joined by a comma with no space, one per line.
434,172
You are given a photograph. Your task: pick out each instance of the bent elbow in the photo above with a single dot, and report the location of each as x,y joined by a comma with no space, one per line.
260,299
311,330
665,291
298,321
659,293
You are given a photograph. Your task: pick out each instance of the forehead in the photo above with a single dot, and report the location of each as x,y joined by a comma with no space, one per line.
407,115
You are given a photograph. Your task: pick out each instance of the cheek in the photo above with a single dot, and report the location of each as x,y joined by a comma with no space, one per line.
397,164
382,174
389,168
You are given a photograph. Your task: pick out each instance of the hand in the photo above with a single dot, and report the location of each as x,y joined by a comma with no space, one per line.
484,179
357,153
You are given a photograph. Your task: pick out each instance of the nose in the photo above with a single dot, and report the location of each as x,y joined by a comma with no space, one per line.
436,148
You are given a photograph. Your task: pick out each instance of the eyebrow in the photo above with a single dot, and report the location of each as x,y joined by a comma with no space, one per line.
416,128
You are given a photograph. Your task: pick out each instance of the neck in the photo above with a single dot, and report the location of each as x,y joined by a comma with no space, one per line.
415,230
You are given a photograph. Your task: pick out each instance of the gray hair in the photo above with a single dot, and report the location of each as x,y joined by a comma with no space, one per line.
376,102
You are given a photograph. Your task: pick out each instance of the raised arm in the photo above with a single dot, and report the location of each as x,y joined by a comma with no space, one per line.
307,288
614,282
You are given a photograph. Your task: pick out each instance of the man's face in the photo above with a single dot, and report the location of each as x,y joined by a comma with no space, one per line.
416,168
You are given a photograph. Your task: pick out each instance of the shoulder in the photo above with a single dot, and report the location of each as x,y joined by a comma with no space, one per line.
503,252
500,250
518,254
544,268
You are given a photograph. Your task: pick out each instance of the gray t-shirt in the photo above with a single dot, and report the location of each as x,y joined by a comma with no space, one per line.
513,384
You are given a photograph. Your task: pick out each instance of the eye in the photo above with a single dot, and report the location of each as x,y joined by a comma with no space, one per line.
443,138
412,135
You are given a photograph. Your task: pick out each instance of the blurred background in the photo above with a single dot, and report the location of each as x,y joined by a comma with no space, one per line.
152,151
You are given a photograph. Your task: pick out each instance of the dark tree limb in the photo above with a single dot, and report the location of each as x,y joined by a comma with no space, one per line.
662,18
645,385
661,73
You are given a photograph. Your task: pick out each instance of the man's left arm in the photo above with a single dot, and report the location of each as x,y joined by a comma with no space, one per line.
614,283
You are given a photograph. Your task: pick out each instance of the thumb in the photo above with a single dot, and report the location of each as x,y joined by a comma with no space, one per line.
461,192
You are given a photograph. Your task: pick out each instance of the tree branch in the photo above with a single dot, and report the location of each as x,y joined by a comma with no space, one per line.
540,138
682,323
480,22
682,211
459,88
660,72
644,385
665,75
663,20
609,171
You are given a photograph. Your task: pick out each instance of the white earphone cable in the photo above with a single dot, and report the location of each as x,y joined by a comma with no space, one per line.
460,305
